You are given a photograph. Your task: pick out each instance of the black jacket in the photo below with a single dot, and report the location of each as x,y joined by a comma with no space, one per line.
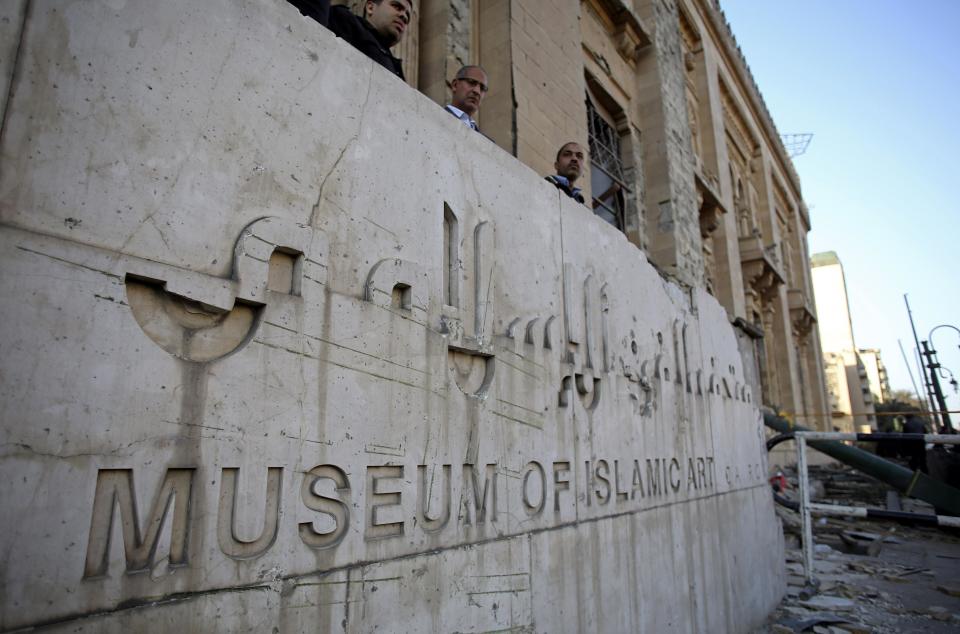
351,28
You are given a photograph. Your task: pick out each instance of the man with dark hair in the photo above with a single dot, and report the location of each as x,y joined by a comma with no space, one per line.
467,91
380,27
569,166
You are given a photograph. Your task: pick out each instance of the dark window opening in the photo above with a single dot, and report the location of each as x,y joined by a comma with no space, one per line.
607,182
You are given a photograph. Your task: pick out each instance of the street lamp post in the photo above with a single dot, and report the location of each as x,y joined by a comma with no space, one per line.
936,370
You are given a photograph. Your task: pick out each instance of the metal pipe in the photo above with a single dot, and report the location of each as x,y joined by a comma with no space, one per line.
945,439
838,510
944,497
806,522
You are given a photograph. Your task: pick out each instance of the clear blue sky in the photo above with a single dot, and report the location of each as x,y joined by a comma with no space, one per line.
878,83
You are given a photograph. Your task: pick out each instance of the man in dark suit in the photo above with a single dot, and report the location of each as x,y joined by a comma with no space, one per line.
379,28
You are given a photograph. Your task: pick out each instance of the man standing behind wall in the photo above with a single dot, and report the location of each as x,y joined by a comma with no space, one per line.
467,91
380,27
569,166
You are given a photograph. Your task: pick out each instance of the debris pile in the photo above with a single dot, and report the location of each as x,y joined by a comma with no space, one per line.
868,576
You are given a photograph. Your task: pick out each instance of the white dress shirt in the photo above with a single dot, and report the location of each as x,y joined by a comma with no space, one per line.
463,116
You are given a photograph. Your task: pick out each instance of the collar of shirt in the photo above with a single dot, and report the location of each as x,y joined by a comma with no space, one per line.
563,180
463,116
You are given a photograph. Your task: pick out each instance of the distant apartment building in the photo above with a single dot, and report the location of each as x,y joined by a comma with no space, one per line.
876,374
848,382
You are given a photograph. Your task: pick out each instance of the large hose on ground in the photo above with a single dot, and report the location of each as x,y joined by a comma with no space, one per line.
942,496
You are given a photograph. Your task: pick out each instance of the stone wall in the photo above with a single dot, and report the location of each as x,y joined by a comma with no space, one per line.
671,199
288,348
548,79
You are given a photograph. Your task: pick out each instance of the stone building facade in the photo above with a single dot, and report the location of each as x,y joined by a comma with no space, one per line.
662,96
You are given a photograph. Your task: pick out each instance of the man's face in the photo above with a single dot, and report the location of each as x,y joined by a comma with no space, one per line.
389,18
468,91
570,161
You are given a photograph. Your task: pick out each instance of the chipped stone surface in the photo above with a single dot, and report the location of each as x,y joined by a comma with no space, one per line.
286,348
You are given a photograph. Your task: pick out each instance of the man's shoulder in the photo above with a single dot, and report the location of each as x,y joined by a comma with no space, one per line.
348,25
338,18
566,188
319,10
559,184
343,20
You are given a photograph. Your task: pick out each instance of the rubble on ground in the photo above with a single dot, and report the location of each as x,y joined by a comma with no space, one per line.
870,576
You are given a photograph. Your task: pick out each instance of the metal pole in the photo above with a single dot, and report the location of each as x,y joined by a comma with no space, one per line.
942,402
916,341
950,428
913,381
927,390
805,520
945,439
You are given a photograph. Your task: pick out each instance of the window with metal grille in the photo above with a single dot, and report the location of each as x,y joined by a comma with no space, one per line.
606,168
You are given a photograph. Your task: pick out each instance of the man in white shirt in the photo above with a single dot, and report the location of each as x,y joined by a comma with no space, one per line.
467,91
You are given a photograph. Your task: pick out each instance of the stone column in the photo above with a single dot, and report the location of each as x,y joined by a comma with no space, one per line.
729,275
818,382
446,28
785,358
673,227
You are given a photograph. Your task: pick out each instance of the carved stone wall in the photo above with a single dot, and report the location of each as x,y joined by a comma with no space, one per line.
287,348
